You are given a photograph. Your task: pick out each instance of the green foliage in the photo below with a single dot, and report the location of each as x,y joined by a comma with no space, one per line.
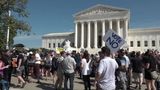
15,21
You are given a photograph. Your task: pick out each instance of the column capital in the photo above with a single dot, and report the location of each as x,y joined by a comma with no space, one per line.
126,19
95,21
110,19
82,22
118,20
88,22
103,20
76,22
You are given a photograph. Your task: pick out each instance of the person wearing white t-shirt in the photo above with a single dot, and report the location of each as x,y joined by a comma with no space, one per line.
105,76
86,70
37,66
38,58
129,69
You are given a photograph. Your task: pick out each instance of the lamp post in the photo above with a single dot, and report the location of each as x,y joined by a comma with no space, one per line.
8,30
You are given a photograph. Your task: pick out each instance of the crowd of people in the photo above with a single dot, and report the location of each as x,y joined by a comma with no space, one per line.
110,71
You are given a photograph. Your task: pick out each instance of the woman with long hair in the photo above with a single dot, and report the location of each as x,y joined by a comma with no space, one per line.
86,70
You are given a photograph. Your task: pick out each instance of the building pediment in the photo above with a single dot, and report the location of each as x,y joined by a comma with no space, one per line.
98,10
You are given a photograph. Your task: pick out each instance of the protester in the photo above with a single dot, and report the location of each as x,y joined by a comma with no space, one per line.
37,66
129,69
105,76
26,67
121,72
47,65
32,64
14,62
86,70
69,66
20,69
110,73
94,64
137,67
149,65
54,66
7,61
77,58
4,85
59,81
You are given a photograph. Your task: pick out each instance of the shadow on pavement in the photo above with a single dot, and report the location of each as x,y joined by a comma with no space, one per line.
45,86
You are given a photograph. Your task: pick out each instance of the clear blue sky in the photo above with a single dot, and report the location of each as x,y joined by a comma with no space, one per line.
48,16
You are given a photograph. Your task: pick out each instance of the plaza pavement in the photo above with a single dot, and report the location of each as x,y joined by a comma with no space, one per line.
45,84
48,85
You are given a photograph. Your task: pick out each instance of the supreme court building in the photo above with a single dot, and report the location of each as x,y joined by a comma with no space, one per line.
91,25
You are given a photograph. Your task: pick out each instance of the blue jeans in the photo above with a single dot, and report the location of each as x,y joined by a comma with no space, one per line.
4,85
87,84
70,77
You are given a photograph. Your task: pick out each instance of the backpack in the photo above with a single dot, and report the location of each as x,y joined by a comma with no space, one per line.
54,63
121,61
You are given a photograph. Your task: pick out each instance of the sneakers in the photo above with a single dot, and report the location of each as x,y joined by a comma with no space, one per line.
23,85
140,87
38,81
136,87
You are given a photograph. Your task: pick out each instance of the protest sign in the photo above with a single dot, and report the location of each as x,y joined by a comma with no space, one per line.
113,41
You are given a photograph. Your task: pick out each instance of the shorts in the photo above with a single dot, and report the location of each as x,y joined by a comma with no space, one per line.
148,75
20,71
31,64
48,67
137,75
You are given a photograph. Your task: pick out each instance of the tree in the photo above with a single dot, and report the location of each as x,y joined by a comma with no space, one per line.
15,22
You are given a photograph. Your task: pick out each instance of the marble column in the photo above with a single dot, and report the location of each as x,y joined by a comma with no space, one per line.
126,29
75,39
82,35
95,34
89,35
110,24
118,27
103,32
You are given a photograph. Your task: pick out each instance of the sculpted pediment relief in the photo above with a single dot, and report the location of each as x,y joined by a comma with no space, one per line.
99,9
96,11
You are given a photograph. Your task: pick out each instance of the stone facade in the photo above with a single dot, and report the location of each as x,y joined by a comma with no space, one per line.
143,39
91,25
57,40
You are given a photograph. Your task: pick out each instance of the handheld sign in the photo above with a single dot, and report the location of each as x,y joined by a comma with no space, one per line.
113,41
